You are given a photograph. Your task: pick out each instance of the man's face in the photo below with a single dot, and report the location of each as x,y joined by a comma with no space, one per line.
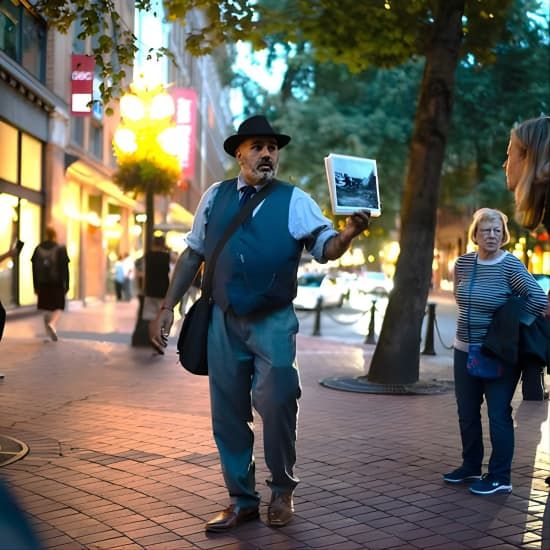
258,158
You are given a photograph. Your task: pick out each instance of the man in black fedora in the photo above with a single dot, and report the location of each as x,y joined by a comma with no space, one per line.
252,331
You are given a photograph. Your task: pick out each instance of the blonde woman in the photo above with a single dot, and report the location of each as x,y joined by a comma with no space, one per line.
483,282
527,168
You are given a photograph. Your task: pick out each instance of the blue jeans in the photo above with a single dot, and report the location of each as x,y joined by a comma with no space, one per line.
498,393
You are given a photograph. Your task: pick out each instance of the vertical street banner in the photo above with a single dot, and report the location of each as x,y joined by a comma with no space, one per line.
185,100
82,81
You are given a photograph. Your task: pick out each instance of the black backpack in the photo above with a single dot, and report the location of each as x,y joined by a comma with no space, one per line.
45,266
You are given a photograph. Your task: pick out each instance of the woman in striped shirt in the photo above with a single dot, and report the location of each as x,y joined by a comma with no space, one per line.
497,276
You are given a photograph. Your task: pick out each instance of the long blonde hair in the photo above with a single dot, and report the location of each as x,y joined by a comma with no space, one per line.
533,136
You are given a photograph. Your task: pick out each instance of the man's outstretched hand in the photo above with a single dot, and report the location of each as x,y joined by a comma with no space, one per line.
357,223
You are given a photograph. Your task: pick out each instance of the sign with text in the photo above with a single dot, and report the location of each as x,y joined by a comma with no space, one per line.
82,82
185,100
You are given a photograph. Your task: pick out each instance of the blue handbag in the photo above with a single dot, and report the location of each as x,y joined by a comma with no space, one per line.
480,363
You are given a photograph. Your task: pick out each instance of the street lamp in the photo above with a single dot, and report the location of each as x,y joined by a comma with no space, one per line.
145,145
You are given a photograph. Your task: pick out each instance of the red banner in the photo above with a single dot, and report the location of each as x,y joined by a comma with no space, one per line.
185,100
82,81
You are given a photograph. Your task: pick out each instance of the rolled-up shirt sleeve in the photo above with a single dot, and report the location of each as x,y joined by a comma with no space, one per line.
307,223
195,238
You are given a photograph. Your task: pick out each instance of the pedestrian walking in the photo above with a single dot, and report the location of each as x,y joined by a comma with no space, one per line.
50,272
252,330
156,280
527,169
119,277
484,282
128,266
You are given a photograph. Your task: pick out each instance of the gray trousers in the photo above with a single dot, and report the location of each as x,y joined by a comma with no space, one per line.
252,363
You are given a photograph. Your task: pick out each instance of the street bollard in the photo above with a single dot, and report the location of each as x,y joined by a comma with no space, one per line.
371,339
429,339
317,321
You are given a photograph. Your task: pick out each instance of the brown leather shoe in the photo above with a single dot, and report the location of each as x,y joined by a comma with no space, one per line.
231,517
281,509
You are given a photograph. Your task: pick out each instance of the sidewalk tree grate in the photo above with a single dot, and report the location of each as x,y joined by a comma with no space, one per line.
360,384
11,450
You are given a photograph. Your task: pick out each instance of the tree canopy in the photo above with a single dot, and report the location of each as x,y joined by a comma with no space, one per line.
443,37
379,33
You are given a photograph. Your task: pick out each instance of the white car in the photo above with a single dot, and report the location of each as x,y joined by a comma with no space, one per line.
311,286
374,282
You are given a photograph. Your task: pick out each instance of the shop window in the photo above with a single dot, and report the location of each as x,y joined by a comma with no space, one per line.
8,152
23,37
8,214
29,230
31,165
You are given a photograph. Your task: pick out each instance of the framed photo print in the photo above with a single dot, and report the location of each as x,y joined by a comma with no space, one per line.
353,184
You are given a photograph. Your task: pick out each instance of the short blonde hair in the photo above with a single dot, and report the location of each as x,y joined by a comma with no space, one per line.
489,215
533,136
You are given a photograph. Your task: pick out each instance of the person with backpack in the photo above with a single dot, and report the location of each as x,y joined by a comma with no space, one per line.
50,273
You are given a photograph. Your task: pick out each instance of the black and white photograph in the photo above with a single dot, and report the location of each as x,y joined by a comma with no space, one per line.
353,184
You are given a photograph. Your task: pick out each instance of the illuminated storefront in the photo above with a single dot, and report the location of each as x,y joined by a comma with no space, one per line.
21,200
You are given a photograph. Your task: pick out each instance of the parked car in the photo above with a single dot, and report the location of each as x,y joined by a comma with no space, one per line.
543,281
311,286
374,282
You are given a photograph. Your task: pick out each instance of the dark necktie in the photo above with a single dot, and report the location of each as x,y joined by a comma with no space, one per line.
246,193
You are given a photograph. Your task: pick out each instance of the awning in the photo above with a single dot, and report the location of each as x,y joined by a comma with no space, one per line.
180,217
86,174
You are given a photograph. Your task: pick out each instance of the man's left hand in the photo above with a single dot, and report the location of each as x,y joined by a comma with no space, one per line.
357,223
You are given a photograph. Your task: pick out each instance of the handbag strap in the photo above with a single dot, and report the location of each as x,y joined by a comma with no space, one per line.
244,212
470,297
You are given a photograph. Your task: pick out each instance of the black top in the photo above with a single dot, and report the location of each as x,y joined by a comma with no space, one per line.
157,273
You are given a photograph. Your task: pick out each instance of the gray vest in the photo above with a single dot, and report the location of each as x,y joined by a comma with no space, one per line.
256,270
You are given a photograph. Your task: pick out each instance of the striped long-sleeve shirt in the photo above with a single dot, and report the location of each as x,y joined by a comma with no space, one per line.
495,282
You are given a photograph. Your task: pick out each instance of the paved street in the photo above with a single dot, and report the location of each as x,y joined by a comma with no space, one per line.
121,453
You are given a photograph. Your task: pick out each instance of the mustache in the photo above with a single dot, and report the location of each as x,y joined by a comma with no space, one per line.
265,161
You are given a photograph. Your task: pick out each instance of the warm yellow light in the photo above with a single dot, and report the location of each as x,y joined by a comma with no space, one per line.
131,107
169,142
112,233
391,251
125,140
162,106
112,219
93,219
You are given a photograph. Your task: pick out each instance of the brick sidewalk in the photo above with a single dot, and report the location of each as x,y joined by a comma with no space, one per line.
121,452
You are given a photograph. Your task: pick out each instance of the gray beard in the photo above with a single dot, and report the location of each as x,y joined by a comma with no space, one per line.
267,177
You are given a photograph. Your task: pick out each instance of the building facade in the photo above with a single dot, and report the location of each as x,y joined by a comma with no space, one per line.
56,168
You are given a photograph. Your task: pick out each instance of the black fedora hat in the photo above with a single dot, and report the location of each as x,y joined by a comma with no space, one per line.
255,126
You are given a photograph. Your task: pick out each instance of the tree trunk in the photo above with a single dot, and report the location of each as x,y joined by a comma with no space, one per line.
397,355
